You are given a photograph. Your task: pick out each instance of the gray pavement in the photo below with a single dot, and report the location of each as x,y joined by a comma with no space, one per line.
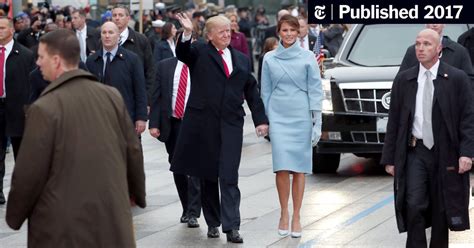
351,209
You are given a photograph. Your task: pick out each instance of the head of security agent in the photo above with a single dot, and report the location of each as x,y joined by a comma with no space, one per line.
427,47
109,35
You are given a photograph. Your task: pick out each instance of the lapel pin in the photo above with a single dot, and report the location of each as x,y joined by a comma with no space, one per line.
16,51
121,55
132,40
445,75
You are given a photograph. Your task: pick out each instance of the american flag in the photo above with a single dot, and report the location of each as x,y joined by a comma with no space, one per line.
317,50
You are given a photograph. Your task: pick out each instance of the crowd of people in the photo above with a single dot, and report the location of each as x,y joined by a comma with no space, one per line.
94,85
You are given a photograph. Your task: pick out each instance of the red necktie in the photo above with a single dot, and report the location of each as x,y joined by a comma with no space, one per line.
183,82
2,64
226,69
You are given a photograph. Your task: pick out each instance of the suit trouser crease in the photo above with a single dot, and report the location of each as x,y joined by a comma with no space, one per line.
422,199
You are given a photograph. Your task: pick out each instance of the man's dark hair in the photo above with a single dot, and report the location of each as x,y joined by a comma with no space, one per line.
63,42
121,6
81,12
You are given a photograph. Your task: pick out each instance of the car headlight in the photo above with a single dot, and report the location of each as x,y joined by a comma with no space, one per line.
327,99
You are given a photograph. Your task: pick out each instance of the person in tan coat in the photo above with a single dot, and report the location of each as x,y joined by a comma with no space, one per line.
80,162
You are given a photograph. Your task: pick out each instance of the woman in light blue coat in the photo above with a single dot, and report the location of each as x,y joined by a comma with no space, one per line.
292,94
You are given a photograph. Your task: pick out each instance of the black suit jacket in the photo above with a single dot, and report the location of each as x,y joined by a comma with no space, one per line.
162,51
18,66
161,105
210,140
139,44
453,126
92,40
312,41
127,76
452,54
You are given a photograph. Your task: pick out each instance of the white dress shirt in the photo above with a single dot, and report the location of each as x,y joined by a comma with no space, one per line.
305,42
228,59
176,77
123,36
418,122
172,46
82,34
8,50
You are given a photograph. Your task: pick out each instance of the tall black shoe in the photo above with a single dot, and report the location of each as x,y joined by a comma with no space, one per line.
213,232
234,237
193,222
184,219
2,198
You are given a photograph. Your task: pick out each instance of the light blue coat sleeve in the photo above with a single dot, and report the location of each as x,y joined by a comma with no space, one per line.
266,84
315,90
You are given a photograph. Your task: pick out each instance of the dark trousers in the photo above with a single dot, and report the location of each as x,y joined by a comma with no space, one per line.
16,142
188,187
423,200
228,210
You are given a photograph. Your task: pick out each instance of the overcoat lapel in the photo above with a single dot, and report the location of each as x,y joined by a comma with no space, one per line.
216,57
440,84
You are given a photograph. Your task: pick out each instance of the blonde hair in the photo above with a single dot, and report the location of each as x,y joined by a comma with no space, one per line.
215,21
232,14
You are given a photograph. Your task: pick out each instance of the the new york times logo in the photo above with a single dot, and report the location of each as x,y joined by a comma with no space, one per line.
319,12
434,11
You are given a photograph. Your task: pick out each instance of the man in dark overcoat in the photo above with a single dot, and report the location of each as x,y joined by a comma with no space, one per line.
124,71
429,145
80,161
88,36
451,53
135,42
210,140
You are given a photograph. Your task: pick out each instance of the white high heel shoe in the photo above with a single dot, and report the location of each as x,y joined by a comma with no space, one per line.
283,233
296,235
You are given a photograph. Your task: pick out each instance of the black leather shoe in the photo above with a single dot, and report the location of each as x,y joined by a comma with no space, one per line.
234,237
184,219
193,222
213,232
2,198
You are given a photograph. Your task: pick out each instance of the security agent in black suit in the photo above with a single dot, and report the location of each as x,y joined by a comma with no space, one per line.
18,62
165,125
135,42
431,112
452,53
116,66
89,37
